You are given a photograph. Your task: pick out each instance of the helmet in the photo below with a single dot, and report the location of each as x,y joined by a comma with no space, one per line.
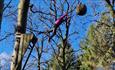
81,9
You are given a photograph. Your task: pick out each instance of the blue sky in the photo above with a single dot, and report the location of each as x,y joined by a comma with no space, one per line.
7,45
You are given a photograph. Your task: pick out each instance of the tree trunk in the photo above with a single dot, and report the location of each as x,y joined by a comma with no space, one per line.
16,62
1,11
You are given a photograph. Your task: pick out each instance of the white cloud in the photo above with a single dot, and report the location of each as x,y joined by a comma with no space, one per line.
5,61
4,55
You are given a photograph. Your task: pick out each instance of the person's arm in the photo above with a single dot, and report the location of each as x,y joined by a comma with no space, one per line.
60,20
56,25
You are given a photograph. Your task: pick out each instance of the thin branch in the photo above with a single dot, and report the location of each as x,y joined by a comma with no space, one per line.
28,56
8,35
7,5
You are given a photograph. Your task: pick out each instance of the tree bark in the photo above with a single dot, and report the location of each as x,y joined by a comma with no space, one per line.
16,62
1,11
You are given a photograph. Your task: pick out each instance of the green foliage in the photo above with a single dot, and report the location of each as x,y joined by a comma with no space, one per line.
57,62
98,48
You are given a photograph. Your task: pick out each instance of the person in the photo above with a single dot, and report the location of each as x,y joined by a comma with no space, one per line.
57,23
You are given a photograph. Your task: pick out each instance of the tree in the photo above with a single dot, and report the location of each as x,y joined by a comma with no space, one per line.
98,48
19,51
57,62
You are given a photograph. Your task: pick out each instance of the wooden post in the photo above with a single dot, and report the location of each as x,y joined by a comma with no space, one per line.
23,6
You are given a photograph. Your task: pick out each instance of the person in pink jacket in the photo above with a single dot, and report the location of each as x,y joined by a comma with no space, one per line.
58,22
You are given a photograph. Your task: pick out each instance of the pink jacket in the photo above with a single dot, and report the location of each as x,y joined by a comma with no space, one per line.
60,20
